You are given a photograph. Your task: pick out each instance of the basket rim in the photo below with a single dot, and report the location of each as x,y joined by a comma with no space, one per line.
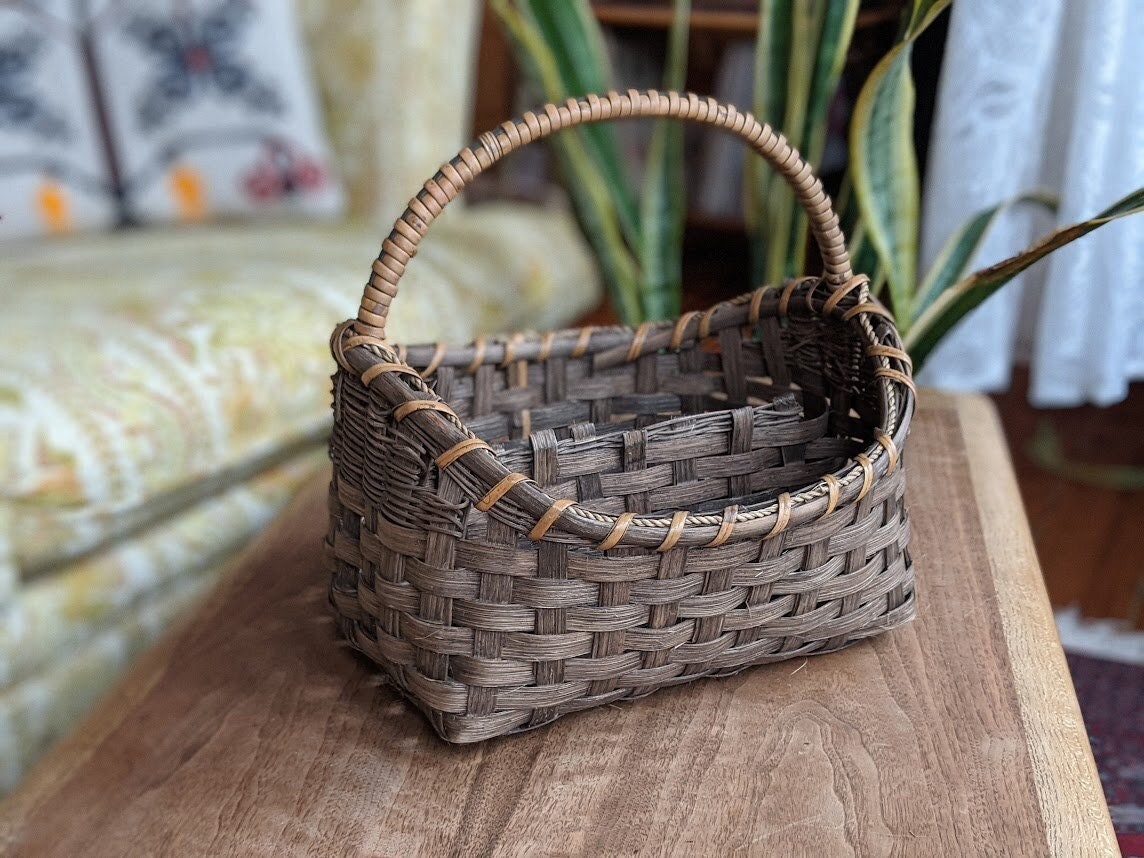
380,363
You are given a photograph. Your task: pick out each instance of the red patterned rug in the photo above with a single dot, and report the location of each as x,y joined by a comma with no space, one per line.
1111,698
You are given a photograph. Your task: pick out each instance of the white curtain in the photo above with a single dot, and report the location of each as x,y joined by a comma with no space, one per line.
1043,94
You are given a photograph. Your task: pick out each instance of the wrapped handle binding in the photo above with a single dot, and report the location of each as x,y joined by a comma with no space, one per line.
490,147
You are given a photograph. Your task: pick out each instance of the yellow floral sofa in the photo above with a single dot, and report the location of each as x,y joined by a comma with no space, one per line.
164,392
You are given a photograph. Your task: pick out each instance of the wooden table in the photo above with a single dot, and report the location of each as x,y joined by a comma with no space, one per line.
251,732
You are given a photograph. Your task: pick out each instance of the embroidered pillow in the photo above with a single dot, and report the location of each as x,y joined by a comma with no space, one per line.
53,174
211,110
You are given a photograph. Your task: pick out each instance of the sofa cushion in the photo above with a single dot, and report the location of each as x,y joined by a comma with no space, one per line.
211,110
53,615
142,371
53,175
396,80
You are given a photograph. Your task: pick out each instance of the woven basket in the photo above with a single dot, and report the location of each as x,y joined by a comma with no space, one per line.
533,525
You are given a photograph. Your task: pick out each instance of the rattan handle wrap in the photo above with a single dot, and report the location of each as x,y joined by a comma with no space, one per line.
401,245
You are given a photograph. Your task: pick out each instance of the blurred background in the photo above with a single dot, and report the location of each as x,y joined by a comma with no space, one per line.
191,192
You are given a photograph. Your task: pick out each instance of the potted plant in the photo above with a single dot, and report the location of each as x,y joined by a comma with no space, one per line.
800,50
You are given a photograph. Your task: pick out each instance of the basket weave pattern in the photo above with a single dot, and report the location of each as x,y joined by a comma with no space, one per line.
536,525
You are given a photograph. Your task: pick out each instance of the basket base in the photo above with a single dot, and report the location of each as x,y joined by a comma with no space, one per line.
767,612
468,729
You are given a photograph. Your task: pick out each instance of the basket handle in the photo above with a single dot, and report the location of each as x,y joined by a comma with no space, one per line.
490,147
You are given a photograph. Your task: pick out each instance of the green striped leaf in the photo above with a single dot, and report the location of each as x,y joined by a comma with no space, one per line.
573,37
884,170
863,257
592,193
800,50
883,164
922,14
956,301
952,262
835,30
663,202
772,60
806,23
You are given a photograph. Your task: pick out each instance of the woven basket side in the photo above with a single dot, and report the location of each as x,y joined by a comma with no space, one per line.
504,634
864,405
490,624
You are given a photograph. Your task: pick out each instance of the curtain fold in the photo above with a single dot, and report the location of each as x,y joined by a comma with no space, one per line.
1043,94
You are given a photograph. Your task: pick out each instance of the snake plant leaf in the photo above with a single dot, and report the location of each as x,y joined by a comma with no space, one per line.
592,194
884,166
598,217
1047,451
835,28
663,202
863,257
951,263
570,32
835,34
772,60
800,50
923,13
781,206
956,301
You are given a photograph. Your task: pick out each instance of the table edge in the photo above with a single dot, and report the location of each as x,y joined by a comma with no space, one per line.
1064,771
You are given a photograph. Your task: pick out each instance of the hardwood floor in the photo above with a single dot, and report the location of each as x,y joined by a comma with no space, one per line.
1090,539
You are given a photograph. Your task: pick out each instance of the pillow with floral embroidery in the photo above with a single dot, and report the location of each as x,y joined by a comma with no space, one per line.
210,109
53,168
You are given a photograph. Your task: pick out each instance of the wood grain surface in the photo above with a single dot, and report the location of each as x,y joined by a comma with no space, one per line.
251,731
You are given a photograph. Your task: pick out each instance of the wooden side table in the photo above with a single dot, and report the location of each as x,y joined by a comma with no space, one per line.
250,731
